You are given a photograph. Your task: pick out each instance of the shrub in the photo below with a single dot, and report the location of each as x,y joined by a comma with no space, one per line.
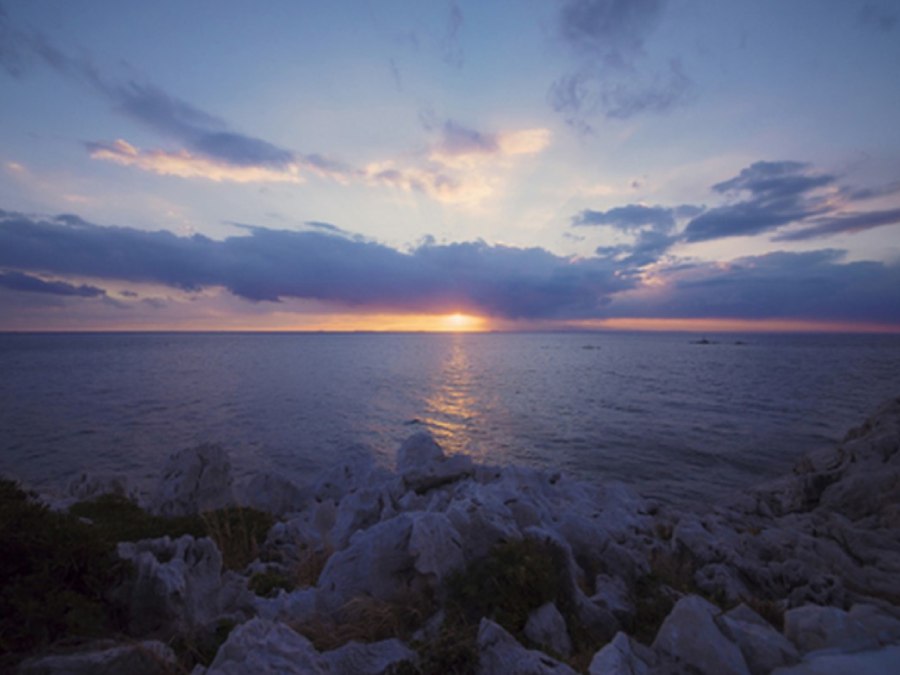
54,573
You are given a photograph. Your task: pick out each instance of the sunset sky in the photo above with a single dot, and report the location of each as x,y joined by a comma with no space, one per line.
414,165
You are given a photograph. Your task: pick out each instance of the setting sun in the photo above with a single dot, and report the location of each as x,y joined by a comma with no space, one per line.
462,322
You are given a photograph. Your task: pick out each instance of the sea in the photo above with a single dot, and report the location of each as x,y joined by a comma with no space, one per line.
679,417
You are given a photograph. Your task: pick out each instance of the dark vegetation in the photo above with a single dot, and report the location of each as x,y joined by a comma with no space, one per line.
57,569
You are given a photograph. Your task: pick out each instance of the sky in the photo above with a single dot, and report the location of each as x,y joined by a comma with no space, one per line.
408,165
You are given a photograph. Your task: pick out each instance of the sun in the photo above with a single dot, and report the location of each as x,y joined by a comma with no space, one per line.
459,322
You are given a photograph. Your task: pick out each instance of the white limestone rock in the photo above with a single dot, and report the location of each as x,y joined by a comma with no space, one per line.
881,661
612,593
690,635
622,656
194,480
763,647
547,628
90,486
273,494
500,654
813,628
178,585
375,658
409,552
877,623
423,466
264,647
141,658
296,606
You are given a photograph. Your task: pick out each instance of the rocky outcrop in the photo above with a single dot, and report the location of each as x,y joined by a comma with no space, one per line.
816,553
142,658
194,480
178,586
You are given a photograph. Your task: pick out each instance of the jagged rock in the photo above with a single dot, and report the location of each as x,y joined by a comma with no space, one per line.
873,662
295,606
357,510
194,480
350,475
876,623
812,628
90,486
273,494
622,656
423,466
375,658
763,647
500,654
141,658
261,646
612,593
547,627
387,561
690,635
178,585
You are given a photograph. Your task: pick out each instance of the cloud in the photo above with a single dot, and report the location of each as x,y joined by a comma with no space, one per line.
183,164
609,77
775,194
813,285
269,265
842,224
18,281
474,277
787,197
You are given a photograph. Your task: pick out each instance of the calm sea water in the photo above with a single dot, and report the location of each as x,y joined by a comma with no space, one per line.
675,419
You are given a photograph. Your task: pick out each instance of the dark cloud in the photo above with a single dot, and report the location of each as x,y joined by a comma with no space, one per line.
844,223
636,216
267,265
18,281
500,281
814,285
606,39
775,194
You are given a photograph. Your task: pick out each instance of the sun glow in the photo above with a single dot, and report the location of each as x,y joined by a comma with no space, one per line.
459,322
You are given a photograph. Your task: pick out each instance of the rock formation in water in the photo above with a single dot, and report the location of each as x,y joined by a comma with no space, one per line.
444,565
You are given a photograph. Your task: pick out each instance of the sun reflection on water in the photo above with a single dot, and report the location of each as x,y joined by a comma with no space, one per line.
453,409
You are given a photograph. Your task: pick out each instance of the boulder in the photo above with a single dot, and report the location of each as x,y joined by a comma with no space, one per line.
881,661
194,480
423,466
141,658
763,647
273,494
260,647
690,635
813,628
178,585
90,486
500,654
406,554
622,656
375,658
547,627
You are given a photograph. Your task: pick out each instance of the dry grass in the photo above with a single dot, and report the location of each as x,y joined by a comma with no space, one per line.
366,619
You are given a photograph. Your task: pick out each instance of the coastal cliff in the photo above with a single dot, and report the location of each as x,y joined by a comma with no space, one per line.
444,565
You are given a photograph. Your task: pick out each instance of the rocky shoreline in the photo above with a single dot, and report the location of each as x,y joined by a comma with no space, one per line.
445,565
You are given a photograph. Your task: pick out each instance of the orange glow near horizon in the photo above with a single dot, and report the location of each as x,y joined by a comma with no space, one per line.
734,326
